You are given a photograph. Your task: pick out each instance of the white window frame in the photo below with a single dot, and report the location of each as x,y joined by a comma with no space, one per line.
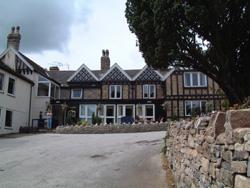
72,93
147,90
109,117
115,87
119,116
191,79
143,116
2,90
44,82
86,116
191,103
14,87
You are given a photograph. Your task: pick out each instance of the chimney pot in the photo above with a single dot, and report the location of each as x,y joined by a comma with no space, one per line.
17,29
54,68
12,29
13,39
105,61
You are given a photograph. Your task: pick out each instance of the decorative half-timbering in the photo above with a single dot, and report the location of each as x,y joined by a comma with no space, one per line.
115,74
191,93
140,94
148,74
83,74
22,67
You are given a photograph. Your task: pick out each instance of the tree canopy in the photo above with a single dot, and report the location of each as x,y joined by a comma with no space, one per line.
211,36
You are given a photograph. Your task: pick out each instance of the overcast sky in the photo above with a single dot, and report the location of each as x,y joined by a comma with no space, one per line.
71,32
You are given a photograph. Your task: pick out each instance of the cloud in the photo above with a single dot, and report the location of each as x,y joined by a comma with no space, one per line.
71,32
45,24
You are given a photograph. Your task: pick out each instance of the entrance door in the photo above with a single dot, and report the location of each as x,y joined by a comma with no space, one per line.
129,110
110,114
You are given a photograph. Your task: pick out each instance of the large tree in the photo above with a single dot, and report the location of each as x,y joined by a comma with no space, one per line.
212,36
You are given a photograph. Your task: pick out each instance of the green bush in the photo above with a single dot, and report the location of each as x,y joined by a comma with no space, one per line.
71,118
82,123
96,119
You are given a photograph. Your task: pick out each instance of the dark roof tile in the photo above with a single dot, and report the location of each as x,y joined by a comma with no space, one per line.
61,76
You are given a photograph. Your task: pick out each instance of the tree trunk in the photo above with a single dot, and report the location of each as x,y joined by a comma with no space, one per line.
235,95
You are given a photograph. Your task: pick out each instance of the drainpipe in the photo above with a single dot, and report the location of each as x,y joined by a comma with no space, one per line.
30,104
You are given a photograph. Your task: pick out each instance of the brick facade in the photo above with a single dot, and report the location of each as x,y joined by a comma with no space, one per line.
90,93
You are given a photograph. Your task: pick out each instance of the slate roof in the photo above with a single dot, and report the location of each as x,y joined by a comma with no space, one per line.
64,75
61,76
36,67
6,68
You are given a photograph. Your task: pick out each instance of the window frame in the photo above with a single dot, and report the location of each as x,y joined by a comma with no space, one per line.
114,113
14,87
45,81
191,106
11,120
1,119
72,93
123,114
115,91
2,89
85,116
144,115
199,74
147,90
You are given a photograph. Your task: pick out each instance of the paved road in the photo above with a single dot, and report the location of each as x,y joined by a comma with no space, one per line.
82,161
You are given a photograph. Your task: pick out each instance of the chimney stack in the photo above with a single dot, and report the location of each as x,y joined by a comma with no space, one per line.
105,61
13,39
54,68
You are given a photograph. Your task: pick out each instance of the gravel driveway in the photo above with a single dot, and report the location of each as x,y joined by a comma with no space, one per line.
129,160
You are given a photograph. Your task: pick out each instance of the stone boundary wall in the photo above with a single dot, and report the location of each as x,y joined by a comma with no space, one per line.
211,151
102,129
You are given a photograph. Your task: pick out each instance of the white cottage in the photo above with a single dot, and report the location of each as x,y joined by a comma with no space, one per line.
32,86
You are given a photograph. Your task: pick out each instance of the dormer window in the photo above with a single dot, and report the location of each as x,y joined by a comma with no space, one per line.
115,92
195,79
76,93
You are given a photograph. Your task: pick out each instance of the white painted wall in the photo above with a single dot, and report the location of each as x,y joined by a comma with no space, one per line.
38,104
18,104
